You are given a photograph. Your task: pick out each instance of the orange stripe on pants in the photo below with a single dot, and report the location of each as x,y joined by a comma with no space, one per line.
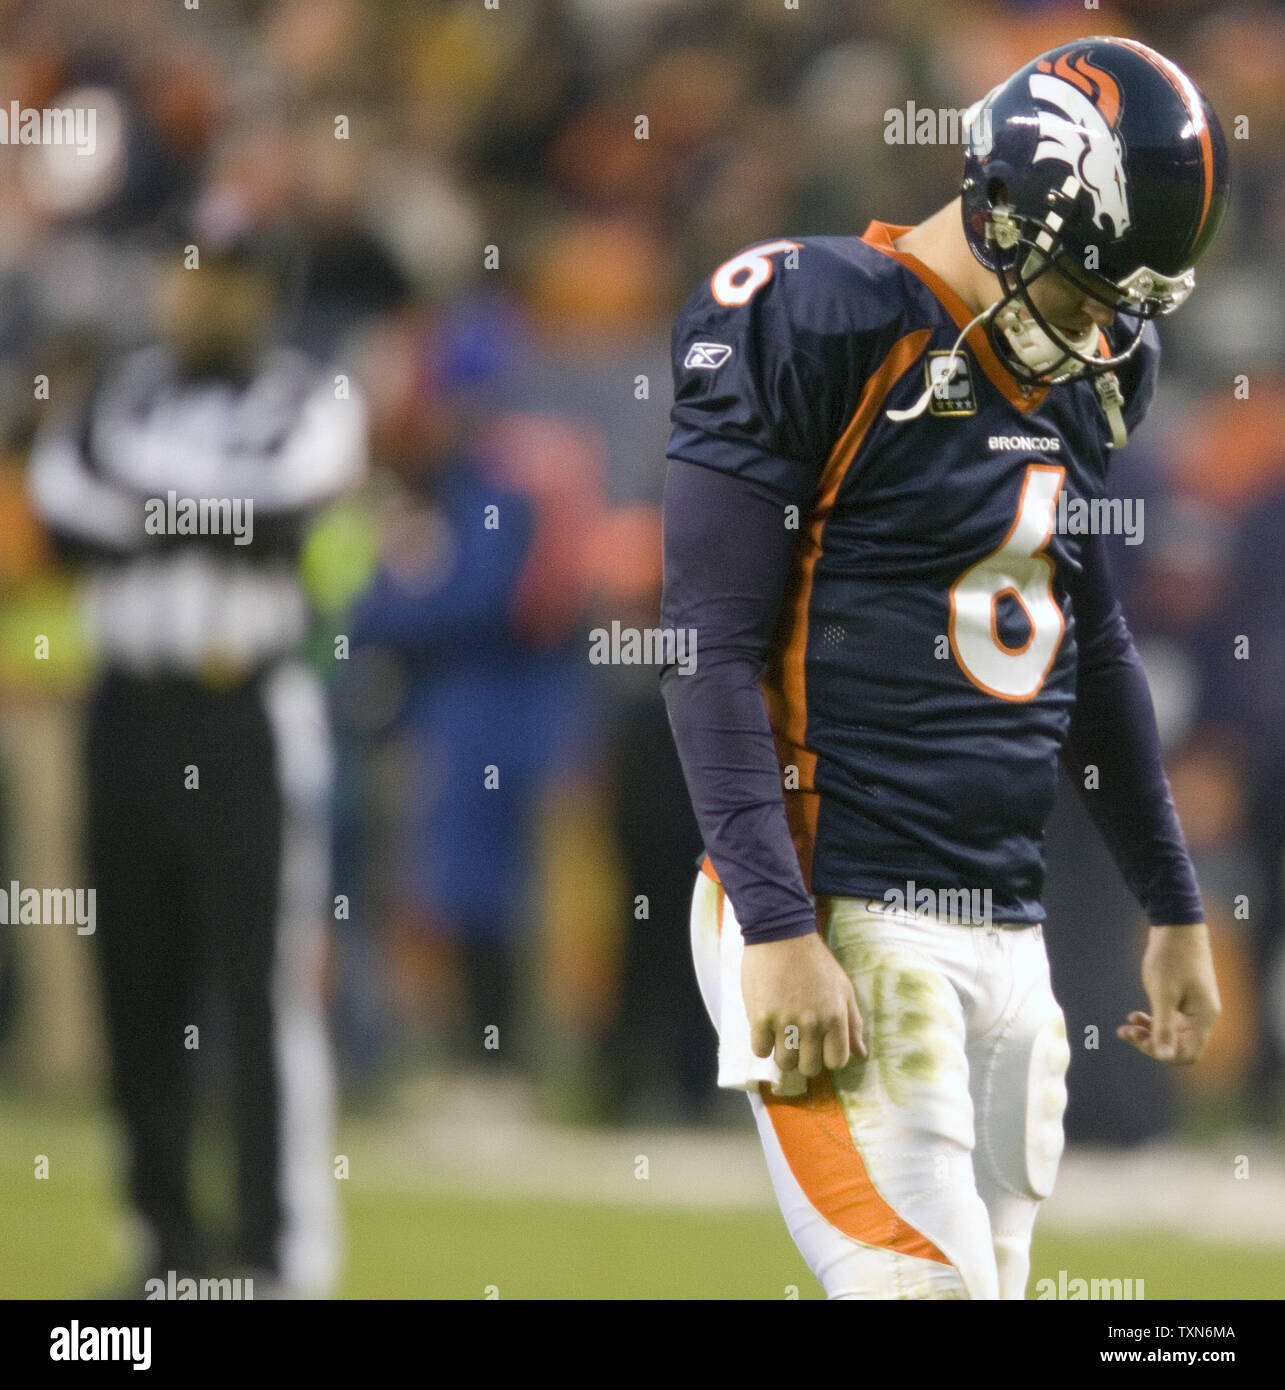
827,1165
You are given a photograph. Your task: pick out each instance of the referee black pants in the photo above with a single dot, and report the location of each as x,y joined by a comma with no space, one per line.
187,826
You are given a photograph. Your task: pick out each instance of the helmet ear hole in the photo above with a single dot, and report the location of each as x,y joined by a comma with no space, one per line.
996,192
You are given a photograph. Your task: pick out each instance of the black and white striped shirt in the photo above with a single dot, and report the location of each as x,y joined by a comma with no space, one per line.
190,497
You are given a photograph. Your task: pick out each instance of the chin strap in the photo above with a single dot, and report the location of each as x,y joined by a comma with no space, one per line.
1112,398
921,404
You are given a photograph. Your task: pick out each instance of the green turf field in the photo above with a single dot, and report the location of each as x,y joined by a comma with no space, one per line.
61,1237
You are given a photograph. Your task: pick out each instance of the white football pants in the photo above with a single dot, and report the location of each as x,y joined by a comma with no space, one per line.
918,1172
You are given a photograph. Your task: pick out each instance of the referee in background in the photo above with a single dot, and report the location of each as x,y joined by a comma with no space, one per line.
184,484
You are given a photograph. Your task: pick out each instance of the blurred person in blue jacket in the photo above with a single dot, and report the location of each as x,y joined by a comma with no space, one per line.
477,604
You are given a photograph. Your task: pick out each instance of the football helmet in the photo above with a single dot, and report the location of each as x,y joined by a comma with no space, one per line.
1100,159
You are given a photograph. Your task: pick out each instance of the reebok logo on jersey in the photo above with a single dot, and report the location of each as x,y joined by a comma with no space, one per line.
951,379
707,355
1045,443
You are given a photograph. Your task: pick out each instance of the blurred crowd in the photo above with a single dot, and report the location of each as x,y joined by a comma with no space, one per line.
479,231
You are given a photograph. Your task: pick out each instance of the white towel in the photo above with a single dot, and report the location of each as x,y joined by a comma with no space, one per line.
738,1068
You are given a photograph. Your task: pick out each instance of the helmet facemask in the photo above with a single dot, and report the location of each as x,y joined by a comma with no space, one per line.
1032,348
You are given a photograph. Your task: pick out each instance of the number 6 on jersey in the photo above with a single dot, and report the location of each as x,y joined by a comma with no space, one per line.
735,281
1020,568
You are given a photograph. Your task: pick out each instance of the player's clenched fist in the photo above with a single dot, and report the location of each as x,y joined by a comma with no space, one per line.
801,1005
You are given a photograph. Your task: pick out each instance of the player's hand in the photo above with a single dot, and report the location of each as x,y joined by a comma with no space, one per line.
800,1005
1178,975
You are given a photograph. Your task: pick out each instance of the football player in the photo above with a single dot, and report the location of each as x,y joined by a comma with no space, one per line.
873,441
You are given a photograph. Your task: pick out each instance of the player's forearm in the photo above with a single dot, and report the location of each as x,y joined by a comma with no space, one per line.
1114,731
726,558
730,766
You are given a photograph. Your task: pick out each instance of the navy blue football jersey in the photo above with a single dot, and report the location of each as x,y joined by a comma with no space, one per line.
922,678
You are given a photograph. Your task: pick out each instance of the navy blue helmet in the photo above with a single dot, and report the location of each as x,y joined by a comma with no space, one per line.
1100,159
